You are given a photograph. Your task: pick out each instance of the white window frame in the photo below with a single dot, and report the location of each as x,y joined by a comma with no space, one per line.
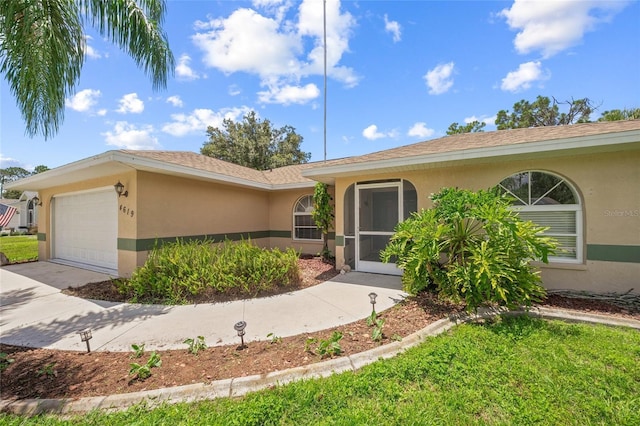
576,208
308,210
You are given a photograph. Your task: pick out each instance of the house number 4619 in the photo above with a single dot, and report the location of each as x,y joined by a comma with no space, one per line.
126,211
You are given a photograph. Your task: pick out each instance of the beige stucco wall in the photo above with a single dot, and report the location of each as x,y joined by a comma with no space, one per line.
608,183
170,206
281,205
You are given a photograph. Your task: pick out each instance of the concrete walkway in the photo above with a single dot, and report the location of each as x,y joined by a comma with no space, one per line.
34,313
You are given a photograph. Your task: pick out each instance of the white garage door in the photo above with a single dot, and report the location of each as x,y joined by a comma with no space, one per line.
85,228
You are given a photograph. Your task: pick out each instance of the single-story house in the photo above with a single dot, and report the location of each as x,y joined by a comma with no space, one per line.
26,216
582,180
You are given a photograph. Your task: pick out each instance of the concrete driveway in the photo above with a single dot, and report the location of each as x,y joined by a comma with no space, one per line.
34,313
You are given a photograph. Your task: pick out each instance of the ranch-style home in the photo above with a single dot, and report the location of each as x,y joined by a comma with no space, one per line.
582,181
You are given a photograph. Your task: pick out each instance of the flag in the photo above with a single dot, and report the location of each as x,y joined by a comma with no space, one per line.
6,213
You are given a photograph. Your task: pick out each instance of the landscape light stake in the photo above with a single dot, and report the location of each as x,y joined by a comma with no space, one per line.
239,327
372,299
85,336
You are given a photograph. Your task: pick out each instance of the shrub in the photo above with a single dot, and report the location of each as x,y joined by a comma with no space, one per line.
175,271
471,246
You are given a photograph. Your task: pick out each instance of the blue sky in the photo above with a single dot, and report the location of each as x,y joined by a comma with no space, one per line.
399,72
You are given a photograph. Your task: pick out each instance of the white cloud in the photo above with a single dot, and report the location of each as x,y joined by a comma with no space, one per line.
102,112
234,90
523,77
9,162
129,136
439,79
394,28
83,100
130,103
489,121
289,94
175,101
89,50
372,133
199,119
553,26
273,48
420,130
184,71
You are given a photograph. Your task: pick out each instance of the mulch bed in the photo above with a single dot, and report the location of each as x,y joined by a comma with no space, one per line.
43,373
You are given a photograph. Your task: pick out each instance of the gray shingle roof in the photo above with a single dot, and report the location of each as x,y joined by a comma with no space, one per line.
291,175
498,138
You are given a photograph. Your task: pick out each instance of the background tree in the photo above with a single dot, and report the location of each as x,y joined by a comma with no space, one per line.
39,169
9,175
255,143
42,49
620,114
473,127
545,112
323,215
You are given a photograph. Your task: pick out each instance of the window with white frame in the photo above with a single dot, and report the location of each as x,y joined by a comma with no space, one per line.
304,227
549,200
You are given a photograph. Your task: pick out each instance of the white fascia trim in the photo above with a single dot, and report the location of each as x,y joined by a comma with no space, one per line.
135,162
67,168
132,160
600,140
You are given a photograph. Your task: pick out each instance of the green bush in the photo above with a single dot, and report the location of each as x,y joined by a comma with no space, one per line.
176,271
471,247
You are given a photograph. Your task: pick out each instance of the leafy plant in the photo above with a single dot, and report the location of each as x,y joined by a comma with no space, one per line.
173,272
471,246
48,370
322,215
371,319
195,345
273,338
138,350
143,371
376,334
330,347
308,342
5,361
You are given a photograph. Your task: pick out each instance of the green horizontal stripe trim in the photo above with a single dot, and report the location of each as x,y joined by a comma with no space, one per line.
144,244
613,253
339,240
42,236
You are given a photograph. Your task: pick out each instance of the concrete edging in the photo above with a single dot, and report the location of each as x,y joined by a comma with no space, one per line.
243,385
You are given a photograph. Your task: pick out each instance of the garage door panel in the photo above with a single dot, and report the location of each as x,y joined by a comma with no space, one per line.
86,228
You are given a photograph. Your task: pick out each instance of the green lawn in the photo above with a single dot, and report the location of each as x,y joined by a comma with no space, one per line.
19,248
517,371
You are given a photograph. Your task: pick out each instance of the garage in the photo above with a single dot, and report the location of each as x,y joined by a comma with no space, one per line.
85,228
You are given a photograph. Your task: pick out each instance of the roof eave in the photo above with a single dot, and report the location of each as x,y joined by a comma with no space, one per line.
327,173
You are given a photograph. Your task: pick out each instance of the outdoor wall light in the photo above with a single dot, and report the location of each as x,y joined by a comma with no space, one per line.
372,299
85,336
239,327
36,201
119,187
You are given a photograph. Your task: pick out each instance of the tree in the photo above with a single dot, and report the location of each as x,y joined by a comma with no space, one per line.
39,169
323,215
544,112
618,115
471,246
473,127
9,175
42,49
255,143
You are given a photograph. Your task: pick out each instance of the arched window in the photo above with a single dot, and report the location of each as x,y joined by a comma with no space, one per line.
550,201
304,227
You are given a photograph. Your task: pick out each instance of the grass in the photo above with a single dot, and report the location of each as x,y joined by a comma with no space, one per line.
19,248
513,371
